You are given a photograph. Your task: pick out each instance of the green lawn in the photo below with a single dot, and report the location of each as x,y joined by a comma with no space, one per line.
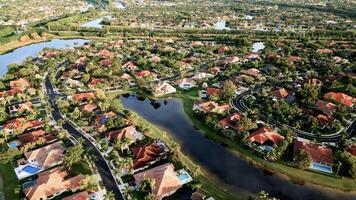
11,185
297,175
82,167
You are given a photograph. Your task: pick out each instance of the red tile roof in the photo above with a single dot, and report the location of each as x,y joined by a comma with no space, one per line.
20,83
166,181
85,96
340,98
213,91
265,134
351,149
78,196
121,133
145,154
326,107
281,93
52,182
230,121
318,153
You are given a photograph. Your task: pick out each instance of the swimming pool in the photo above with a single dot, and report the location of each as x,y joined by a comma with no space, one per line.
13,144
184,177
31,169
321,167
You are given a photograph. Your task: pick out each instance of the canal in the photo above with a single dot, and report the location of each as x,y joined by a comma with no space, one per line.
237,174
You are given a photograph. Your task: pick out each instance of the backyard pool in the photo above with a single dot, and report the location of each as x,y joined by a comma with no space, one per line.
14,144
31,169
321,167
184,177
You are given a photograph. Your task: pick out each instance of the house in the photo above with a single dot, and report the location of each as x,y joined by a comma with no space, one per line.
351,149
163,88
40,159
11,92
145,73
213,91
81,61
251,72
325,51
52,183
83,97
106,62
88,108
35,136
102,119
322,157
313,82
251,57
148,153
340,98
21,123
223,49
231,59
20,83
184,66
202,76
210,106
128,132
186,83
94,81
280,93
155,59
72,83
78,196
326,107
230,121
105,54
166,180
265,136
21,108
129,66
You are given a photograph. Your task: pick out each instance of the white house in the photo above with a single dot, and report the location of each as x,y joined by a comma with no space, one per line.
164,88
186,83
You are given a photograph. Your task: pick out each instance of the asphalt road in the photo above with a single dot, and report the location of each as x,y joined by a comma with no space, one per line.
104,171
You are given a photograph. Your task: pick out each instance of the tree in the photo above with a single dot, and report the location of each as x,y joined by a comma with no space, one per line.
302,159
73,155
109,195
9,155
348,161
89,182
228,89
264,196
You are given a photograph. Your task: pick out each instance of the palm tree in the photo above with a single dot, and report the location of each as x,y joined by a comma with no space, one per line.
109,195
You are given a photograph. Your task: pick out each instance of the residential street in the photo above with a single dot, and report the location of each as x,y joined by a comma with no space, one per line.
103,168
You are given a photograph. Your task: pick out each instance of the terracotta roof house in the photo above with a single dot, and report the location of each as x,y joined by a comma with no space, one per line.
340,98
251,72
20,83
223,49
210,106
52,183
83,97
313,81
231,59
88,108
129,66
22,123
280,93
11,92
155,59
21,108
326,107
184,65
102,119
166,180
143,155
94,81
196,43
126,76
106,62
351,149
325,51
265,135
129,132
78,196
319,154
230,121
46,156
186,83
81,61
105,54
163,88
213,91
145,73
251,57
294,59
35,136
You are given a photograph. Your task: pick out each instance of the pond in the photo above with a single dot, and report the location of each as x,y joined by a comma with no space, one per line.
235,173
18,55
95,23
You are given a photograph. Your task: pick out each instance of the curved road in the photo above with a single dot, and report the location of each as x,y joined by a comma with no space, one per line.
238,104
103,168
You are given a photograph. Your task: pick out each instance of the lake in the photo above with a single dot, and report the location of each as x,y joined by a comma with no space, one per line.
235,173
18,55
